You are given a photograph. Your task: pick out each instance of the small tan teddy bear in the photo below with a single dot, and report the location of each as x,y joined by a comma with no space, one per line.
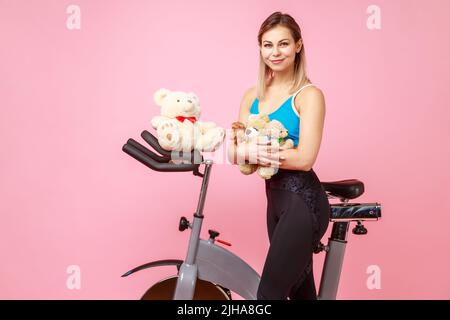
260,129
178,127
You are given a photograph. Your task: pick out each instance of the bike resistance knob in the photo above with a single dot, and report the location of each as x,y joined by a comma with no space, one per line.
213,234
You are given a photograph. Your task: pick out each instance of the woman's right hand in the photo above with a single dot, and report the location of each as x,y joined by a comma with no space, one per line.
253,153
267,155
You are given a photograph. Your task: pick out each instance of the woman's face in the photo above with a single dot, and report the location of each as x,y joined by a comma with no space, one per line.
278,48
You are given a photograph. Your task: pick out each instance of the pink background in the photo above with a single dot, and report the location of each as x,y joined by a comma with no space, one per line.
71,98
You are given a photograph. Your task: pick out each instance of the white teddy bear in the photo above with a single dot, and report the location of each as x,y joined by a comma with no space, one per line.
178,127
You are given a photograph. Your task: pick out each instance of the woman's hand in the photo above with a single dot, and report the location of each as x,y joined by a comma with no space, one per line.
252,153
261,153
241,152
268,154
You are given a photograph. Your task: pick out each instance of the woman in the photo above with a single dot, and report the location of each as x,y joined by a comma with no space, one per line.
297,206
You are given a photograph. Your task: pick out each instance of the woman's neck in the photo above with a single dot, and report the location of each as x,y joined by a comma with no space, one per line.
282,79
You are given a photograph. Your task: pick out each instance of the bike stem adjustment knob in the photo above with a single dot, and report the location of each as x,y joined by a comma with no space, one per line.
359,229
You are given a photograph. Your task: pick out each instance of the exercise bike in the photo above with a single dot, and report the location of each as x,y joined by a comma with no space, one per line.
210,271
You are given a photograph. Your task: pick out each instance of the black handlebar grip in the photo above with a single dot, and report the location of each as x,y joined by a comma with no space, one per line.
152,164
153,141
148,152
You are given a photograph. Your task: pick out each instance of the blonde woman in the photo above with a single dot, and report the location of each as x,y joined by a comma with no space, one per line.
297,206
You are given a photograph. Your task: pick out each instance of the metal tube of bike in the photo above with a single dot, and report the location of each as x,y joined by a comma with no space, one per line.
334,260
186,282
198,216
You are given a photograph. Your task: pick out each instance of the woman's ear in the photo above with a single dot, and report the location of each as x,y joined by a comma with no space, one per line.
299,45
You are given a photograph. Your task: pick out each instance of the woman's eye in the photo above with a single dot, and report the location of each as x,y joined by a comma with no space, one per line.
269,45
178,100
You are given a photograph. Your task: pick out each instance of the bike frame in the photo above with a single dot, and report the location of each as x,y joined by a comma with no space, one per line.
210,262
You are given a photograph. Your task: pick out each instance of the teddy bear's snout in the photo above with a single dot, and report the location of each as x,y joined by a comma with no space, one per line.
251,132
189,107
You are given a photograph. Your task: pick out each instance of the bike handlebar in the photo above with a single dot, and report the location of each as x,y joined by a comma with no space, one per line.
153,141
162,163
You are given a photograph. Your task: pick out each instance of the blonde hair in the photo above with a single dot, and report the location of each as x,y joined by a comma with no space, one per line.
265,73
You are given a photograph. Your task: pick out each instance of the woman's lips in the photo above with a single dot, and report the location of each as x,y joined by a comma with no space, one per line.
276,61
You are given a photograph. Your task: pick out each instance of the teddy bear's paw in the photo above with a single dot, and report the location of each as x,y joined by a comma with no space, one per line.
219,140
169,125
167,130
169,135
210,141
248,168
266,172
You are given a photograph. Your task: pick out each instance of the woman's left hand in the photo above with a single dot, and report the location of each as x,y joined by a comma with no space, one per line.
268,154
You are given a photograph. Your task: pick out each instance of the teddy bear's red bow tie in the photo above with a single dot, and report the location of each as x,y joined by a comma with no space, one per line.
182,118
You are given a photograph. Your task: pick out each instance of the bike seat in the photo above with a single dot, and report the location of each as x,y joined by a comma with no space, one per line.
346,189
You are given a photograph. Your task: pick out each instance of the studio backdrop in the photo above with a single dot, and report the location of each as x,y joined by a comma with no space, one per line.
77,80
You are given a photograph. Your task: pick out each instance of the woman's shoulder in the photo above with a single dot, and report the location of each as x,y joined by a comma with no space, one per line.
249,96
246,103
250,93
311,90
308,94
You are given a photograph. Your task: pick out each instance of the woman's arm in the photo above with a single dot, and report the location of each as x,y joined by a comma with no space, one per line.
312,114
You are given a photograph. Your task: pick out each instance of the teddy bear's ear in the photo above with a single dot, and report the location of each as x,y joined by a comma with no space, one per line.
193,96
277,124
264,117
160,95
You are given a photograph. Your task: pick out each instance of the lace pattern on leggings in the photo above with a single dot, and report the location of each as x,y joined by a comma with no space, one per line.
307,185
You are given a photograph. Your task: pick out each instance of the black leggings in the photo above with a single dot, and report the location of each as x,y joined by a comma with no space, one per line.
298,214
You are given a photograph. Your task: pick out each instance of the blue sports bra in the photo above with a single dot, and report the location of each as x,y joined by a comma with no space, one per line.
286,114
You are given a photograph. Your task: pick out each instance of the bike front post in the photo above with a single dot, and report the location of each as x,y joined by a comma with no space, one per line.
187,275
